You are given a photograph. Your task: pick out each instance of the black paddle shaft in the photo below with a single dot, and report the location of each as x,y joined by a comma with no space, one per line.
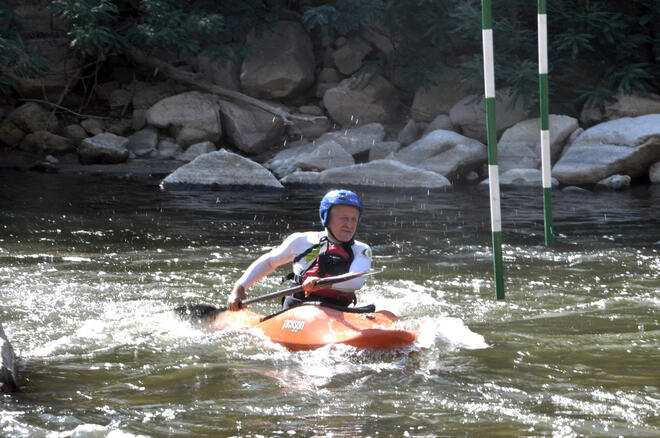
199,311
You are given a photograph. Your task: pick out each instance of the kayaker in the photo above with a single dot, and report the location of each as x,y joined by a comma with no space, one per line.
316,254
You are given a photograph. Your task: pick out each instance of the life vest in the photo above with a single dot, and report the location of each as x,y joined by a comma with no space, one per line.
332,259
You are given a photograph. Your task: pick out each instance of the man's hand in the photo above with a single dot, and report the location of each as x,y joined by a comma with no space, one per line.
235,297
309,285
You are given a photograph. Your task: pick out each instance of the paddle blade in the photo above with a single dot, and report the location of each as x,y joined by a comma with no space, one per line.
194,312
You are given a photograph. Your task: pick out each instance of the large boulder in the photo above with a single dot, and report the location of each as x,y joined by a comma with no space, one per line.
624,146
221,169
654,173
196,150
348,58
444,152
193,117
378,173
469,114
224,72
105,148
383,149
143,143
624,105
384,173
284,162
249,128
358,139
326,155
44,142
280,61
7,365
27,118
359,101
430,102
522,178
520,145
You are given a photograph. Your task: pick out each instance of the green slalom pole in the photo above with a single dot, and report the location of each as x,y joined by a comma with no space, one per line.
546,163
493,171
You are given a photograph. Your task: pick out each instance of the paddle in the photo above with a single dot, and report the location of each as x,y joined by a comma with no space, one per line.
201,311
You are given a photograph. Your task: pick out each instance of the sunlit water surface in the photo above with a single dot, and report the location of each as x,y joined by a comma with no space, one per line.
91,268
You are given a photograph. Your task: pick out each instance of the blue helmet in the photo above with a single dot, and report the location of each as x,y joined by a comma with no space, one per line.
338,197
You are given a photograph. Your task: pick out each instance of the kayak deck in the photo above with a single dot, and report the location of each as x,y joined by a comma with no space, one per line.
308,327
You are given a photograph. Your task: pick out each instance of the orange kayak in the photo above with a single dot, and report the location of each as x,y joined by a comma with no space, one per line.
308,327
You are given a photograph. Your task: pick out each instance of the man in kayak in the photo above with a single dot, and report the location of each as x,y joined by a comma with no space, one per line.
317,254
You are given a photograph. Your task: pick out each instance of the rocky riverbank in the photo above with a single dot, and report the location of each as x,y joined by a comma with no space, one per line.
310,115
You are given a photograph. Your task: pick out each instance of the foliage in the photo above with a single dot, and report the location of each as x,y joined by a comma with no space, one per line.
597,48
14,59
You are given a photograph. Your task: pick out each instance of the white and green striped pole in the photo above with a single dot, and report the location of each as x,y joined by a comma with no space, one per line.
491,130
546,163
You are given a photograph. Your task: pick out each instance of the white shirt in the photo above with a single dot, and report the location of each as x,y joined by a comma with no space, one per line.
296,244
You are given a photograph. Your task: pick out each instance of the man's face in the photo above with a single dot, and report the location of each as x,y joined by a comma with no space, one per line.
343,221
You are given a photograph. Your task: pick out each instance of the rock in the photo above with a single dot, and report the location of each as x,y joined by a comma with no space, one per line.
120,98
383,149
348,58
440,122
430,102
221,169
168,150
329,75
469,114
284,162
250,129
358,102
313,128
522,178
7,365
326,155
146,96
444,152
409,133
381,41
120,127
614,182
312,110
280,61
323,87
44,142
103,148
56,54
624,146
196,150
139,119
27,118
625,105
520,145
224,72
654,173
302,178
385,174
93,126
358,139
574,189
193,116
75,133
143,142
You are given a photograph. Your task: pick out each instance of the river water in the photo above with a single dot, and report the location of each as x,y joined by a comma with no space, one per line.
90,269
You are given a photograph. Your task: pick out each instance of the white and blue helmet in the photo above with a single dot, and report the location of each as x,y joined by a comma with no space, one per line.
338,197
